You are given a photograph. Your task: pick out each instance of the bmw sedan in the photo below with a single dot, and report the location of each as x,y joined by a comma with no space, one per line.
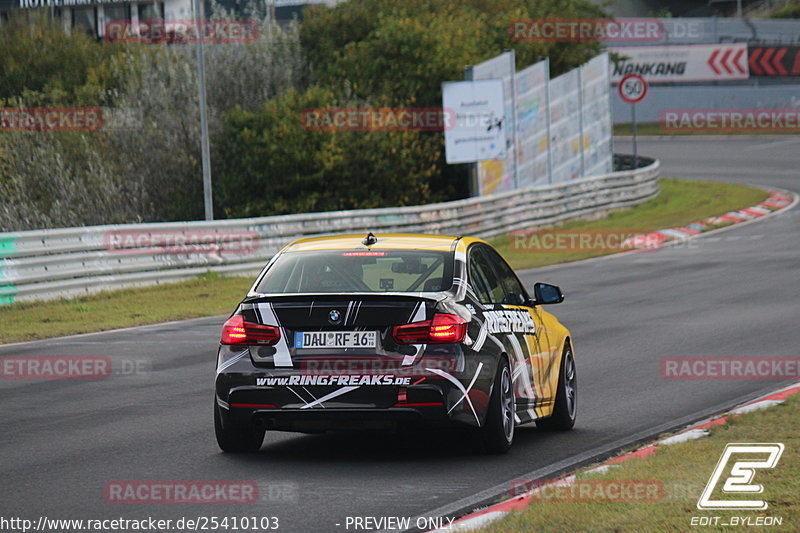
381,331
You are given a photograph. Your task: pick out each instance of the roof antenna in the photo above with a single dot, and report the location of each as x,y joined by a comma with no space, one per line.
370,239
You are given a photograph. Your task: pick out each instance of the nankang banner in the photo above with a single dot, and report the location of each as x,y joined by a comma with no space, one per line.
774,60
681,63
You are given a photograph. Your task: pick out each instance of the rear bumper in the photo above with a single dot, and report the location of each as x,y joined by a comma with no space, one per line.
247,394
307,420
294,409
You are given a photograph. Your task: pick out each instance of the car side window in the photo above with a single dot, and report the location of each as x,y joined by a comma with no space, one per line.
477,279
483,278
478,282
515,293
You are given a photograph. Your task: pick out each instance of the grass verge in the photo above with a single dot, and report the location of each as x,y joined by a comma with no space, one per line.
681,472
207,295
680,202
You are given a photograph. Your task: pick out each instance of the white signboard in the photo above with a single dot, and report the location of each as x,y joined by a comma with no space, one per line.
555,130
596,117
480,122
565,127
678,63
532,143
498,175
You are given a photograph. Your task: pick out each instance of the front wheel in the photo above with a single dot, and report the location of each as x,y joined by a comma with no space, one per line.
498,430
236,439
566,408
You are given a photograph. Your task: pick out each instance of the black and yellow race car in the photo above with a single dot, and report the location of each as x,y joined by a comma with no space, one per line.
379,331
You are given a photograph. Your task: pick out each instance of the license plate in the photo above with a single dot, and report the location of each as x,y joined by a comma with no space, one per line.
335,339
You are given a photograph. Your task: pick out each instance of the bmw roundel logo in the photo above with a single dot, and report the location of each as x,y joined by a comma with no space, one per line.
334,316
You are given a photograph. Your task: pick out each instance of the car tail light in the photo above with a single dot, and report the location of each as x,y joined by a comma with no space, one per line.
448,328
443,328
237,331
416,332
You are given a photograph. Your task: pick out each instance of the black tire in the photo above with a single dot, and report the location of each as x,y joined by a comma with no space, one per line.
236,439
566,407
498,429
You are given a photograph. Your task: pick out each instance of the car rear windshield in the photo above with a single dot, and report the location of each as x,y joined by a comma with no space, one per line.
339,271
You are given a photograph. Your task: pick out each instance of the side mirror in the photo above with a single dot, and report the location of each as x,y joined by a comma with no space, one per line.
544,293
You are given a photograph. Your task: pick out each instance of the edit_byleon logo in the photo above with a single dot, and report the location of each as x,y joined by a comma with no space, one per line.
745,459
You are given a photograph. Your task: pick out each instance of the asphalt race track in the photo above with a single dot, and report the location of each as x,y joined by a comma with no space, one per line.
732,294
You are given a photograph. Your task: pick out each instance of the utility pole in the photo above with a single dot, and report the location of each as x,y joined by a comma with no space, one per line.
208,201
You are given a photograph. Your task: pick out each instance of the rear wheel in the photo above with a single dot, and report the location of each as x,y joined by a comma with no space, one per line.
236,439
566,408
498,430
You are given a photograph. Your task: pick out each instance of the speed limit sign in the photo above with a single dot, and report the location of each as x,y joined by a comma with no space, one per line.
632,88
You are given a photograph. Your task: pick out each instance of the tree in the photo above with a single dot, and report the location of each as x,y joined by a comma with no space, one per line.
403,51
270,163
42,65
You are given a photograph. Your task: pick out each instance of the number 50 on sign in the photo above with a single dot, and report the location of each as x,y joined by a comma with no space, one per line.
632,88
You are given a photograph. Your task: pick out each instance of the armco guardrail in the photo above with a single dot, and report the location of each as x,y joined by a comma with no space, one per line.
62,262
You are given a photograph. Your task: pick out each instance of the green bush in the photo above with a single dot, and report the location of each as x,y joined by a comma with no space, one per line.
403,51
42,65
55,179
144,165
790,10
268,163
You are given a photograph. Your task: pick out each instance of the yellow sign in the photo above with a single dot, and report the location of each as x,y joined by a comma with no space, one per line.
490,175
